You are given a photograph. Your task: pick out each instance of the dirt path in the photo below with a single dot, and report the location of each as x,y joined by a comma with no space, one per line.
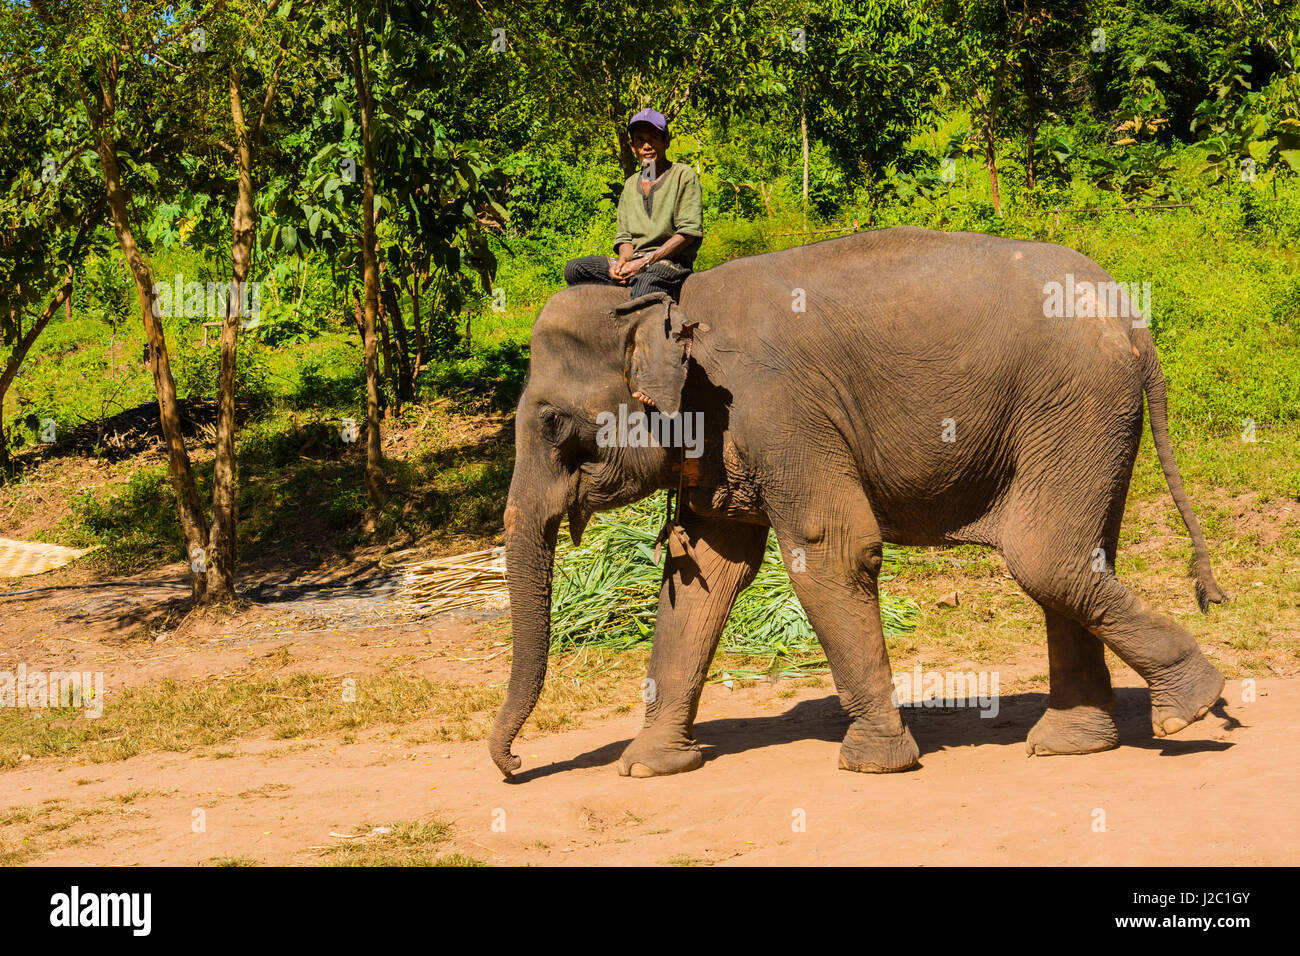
1224,792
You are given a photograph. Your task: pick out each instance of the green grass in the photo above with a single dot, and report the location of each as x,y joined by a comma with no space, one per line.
26,832
1268,466
405,843
301,489
180,716
176,716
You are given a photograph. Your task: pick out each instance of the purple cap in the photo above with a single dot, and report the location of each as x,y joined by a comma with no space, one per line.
654,118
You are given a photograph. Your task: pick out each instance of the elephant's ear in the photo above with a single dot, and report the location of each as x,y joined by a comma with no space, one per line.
658,349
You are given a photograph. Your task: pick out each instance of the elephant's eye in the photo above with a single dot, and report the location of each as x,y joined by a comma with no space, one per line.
555,426
561,432
564,432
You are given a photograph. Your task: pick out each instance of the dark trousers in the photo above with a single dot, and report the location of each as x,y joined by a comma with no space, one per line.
663,276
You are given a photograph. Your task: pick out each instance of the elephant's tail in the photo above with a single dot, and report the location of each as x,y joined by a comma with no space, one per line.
1207,589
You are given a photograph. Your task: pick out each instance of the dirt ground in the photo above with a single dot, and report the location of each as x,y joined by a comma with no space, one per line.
1223,792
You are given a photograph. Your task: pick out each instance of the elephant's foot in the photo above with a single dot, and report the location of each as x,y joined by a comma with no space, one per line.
866,750
1184,694
1078,730
655,757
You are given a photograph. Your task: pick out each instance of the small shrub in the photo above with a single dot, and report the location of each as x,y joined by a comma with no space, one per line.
134,528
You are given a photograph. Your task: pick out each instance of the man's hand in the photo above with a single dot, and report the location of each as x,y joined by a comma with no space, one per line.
615,273
629,268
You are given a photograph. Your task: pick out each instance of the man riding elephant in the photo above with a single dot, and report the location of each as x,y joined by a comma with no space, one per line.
660,220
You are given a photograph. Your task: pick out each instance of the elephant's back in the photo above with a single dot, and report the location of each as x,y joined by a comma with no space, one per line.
911,294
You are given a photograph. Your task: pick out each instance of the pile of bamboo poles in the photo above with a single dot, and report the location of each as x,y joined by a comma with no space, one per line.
475,580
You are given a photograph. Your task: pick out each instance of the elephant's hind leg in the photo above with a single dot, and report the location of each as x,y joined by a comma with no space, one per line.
1078,716
696,596
1054,565
1060,534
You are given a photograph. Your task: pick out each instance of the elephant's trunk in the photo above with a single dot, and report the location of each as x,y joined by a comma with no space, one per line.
531,530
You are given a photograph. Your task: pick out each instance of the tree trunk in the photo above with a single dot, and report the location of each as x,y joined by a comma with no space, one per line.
182,475
376,484
405,384
359,316
1032,126
417,323
991,161
225,490
803,135
623,148
19,353
622,139
390,375
990,141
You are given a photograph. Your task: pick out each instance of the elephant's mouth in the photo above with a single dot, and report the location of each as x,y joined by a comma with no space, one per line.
579,516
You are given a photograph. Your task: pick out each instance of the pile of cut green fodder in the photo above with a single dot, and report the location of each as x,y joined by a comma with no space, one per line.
606,595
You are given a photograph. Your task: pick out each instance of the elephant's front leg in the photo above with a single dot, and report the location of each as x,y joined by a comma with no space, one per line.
698,592
833,550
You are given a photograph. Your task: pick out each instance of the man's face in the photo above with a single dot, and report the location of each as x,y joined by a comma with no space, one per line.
648,143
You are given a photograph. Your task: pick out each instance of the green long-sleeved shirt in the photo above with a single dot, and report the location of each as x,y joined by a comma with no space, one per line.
675,205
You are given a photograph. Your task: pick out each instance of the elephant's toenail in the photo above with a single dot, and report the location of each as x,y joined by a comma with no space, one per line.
1174,724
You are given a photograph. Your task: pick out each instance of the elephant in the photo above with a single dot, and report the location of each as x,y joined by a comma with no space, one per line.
902,385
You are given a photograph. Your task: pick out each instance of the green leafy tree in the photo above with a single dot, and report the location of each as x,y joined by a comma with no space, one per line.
49,213
388,192
115,73
1008,62
592,64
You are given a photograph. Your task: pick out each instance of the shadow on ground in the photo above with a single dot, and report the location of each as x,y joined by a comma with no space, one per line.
934,730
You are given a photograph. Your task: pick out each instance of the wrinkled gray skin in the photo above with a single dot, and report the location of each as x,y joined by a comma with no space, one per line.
828,426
